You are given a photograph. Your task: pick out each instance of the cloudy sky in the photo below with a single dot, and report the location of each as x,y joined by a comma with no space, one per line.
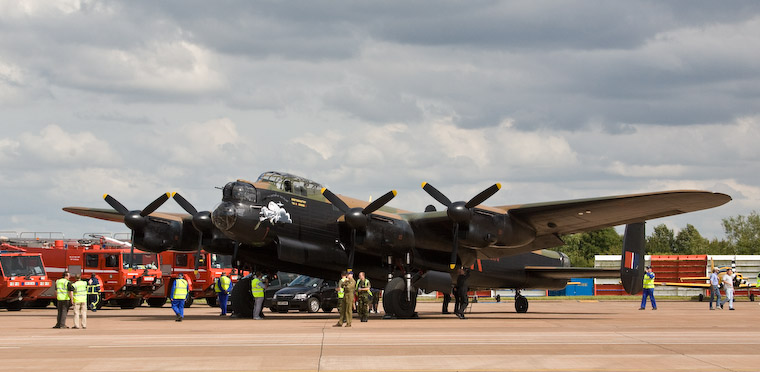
555,100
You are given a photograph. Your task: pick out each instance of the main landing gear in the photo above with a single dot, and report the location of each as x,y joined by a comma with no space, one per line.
521,302
400,297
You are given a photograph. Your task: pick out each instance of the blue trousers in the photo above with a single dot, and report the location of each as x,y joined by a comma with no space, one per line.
648,292
714,291
222,298
179,307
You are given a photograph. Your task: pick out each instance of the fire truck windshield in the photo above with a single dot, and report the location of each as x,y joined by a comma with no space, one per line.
219,261
22,265
141,261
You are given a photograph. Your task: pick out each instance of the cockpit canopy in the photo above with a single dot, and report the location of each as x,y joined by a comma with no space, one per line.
291,183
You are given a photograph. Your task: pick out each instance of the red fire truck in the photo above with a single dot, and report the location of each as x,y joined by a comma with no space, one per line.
122,283
210,267
22,277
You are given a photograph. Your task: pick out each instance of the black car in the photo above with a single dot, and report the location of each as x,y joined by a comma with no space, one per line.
306,294
276,283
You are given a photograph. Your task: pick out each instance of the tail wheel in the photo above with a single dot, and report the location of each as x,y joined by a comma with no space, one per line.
701,297
395,301
242,300
521,304
313,305
752,297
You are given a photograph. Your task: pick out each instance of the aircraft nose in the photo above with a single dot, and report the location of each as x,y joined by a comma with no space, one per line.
224,216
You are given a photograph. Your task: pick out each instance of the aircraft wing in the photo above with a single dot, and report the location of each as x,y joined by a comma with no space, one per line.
572,272
574,216
112,215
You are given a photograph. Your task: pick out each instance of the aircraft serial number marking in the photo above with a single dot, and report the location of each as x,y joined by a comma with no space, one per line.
298,202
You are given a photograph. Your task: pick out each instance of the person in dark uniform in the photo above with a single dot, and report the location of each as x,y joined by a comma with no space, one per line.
93,293
364,292
462,289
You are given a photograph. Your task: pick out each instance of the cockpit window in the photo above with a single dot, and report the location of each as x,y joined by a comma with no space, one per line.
291,184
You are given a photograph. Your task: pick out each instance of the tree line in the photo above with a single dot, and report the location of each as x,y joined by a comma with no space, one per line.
742,237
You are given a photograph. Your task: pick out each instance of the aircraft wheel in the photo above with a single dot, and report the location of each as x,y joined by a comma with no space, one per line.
212,301
521,304
394,299
242,300
156,301
313,305
752,297
701,297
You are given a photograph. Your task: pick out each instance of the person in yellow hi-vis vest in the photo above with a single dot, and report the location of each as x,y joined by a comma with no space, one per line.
80,303
63,293
648,289
222,286
178,295
258,286
341,299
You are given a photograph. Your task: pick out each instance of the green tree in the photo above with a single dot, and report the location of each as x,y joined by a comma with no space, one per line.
689,241
582,247
661,241
743,233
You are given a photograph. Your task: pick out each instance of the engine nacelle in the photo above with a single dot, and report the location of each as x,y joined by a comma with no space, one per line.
159,235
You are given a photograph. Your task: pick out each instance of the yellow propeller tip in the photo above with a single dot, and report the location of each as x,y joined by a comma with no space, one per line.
452,266
105,196
323,190
498,186
394,192
170,194
423,184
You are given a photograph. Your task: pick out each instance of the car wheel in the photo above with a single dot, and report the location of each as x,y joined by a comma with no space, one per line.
313,305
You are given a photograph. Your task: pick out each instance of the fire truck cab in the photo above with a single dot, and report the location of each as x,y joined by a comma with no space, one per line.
22,277
121,284
210,267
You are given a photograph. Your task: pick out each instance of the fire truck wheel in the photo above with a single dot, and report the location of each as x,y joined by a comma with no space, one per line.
242,301
129,303
189,302
15,305
211,301
39,304
156,301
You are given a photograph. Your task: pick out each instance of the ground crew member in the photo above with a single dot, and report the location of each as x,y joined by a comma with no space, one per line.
365,296
257,290
349,286
728,286
648,289
341,299
93,293
462,289
714,288
179,292
80,303
63,293
375,299
222,288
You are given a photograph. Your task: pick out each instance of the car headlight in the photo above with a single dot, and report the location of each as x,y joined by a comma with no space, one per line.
274,297
300,296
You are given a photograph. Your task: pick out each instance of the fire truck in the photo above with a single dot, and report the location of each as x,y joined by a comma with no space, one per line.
125,277
22,277
210,266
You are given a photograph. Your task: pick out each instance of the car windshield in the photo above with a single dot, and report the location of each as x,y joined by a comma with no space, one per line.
22,265
221,261
304,281
141,261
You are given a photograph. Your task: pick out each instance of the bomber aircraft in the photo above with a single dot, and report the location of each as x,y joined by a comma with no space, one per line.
290,223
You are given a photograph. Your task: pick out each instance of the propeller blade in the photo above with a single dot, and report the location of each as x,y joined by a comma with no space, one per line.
437,195
335,200
485,194
352,249
115,204
379,202
155,204
132,251
235,253
455,247
189,208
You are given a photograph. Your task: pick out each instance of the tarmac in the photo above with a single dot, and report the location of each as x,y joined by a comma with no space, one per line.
566,335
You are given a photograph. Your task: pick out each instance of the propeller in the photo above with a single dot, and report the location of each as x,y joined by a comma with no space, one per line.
201,222
357,218
459,212
136,219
